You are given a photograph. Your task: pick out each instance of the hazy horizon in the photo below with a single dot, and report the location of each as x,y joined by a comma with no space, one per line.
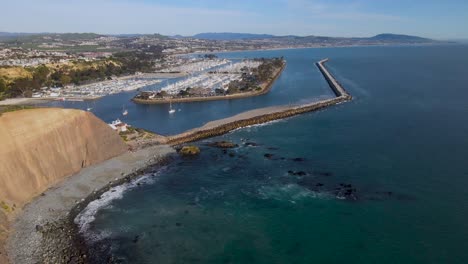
336,18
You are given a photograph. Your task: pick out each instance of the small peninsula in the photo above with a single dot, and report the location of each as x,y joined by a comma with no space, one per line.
239,80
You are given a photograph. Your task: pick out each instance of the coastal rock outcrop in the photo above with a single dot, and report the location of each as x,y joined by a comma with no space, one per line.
189,151
223,144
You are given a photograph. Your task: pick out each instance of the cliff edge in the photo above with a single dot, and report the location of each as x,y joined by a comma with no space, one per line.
39,147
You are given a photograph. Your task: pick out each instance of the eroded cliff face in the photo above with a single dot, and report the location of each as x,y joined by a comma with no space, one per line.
40,147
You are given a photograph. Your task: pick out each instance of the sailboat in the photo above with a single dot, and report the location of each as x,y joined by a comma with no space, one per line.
171,110
125,112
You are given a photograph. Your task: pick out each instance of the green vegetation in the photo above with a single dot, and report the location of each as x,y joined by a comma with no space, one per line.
77,72
12,108
252,82
50,38
5,207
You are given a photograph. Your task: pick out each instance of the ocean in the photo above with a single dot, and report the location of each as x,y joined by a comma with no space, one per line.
380,179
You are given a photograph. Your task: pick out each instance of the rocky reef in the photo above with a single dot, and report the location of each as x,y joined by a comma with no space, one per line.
189,151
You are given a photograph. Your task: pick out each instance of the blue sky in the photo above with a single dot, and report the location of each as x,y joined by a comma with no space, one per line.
441,19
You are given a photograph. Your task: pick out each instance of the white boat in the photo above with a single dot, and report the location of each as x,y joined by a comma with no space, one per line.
171,110
89,109
125,112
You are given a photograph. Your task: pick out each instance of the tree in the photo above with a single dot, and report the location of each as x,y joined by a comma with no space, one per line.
22,86
40,76
3,85
219,91
65,80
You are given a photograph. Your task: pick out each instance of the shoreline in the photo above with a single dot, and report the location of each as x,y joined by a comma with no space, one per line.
44,230
321,47
267,87
43,100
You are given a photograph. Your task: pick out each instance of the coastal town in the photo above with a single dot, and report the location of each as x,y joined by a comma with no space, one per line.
289,131
88,66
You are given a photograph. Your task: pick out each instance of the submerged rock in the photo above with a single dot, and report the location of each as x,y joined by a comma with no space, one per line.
298,159
346,191
251,144
324,173
189,151
297,173
223,144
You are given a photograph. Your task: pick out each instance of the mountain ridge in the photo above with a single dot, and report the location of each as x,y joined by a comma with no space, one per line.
250,36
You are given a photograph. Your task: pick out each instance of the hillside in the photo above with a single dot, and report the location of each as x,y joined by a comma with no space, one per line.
400,38
42,146
385,38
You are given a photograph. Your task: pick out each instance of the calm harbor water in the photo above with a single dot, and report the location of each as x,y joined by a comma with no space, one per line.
382,179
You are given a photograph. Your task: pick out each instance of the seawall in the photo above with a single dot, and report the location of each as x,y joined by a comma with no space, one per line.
261,116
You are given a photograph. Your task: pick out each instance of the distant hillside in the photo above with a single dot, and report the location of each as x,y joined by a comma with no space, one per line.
387,38
155,35
231,36
400,38
40,37
13,35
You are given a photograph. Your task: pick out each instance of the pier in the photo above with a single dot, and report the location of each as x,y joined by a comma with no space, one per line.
263,115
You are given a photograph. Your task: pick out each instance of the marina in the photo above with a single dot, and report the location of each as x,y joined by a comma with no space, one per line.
194,65
249,77
94,90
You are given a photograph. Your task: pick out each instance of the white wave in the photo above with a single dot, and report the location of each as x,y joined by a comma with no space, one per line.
269,123
84,219
290,192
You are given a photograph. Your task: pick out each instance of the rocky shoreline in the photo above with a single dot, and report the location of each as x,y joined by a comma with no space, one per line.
45,231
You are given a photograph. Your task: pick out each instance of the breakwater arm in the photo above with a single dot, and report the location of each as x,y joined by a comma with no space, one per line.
334,84
264,115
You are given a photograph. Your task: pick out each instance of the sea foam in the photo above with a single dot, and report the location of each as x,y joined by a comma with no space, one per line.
86,217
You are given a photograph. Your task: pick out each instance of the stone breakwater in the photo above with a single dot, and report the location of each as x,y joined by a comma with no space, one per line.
261,117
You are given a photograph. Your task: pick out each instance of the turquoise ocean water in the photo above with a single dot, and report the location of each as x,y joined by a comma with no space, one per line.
381,179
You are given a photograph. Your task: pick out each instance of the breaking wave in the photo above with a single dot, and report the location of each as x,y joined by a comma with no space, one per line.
86,217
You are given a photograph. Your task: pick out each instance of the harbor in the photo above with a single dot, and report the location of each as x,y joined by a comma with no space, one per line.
259,116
